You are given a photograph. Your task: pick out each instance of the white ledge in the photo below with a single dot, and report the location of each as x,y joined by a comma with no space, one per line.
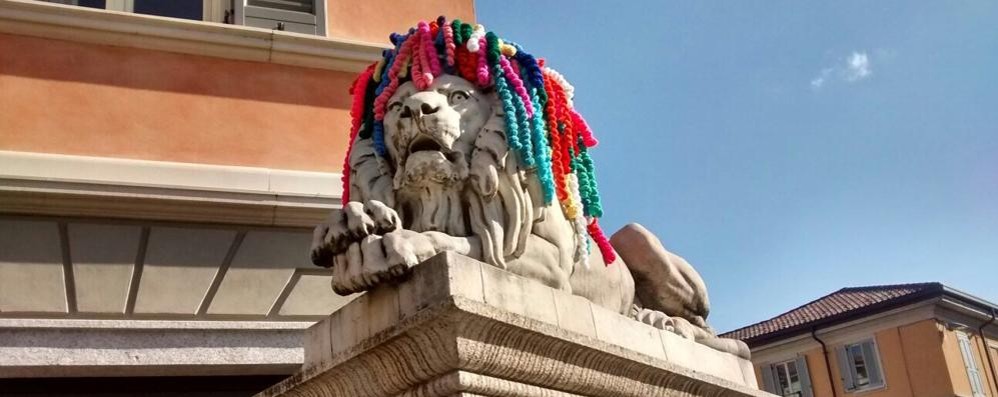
32,323
56,21
82,186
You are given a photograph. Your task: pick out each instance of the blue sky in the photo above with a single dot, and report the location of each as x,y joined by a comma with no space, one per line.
788,149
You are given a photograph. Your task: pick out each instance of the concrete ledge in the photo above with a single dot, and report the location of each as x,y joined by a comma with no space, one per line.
55,21
31,348
460,326
64,185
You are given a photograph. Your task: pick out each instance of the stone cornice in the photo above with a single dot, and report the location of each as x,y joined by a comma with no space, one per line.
34,18
81,186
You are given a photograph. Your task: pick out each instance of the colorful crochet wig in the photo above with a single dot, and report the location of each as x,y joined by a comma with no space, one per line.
543,127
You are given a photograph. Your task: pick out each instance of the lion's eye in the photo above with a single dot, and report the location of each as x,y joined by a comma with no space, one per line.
457,97
394,106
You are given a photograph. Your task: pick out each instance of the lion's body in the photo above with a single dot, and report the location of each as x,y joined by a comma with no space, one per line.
495,202
450,167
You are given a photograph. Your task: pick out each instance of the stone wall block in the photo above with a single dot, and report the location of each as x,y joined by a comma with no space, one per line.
433,281
463,328
686,353
318,335
515,294
575,314
382,308
627,333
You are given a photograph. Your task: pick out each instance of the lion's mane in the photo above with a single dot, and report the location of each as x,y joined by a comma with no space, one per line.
532,153
494,204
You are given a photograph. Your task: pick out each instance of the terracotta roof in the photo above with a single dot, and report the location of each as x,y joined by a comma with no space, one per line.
840,304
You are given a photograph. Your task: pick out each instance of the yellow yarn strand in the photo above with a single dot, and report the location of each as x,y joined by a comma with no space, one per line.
377,70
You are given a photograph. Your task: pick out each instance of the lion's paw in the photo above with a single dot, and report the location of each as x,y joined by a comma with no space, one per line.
663,321
351,225
379,259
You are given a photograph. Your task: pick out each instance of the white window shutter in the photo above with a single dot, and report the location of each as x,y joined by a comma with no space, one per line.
845,368
805,377
768,381
300,16
970,363
873,364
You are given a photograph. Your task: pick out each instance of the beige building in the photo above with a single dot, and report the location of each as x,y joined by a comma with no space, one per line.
923,340
162,164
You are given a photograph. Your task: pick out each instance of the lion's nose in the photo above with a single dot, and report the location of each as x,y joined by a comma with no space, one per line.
424,109
428,109
423,104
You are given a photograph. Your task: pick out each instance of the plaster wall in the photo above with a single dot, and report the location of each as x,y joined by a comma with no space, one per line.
920,359
96,100
374,20
927,363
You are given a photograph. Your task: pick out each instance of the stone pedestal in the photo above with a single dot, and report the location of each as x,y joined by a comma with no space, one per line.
458,327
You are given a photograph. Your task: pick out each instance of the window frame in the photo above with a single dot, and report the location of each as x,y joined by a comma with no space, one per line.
770,379
784,367
845,352
229,12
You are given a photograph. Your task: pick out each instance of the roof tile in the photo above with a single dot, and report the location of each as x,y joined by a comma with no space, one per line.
839,302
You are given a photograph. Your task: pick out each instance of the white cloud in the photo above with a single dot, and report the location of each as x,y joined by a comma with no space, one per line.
854,68
819,81
857,67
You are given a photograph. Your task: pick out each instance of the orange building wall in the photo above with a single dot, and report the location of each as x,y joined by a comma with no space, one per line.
84,99
991,347
927,366
374,20
819,373
921,359
892,363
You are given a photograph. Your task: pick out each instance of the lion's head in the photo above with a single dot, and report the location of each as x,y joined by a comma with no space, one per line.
465,134
430,133
430,140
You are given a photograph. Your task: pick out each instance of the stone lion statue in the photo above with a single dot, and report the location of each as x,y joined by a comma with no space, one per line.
463,142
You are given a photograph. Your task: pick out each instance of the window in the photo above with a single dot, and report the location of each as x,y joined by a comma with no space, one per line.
300,16
184,9
787,378
859,366
970,362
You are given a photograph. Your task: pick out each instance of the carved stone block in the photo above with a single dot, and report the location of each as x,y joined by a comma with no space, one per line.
458,327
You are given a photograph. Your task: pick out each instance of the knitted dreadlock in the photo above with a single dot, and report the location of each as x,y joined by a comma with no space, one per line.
542,126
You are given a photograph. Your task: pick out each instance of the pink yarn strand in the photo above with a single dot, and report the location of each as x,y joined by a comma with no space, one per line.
430,51
449,43
393,82
580,125
483,64
418,78
514,79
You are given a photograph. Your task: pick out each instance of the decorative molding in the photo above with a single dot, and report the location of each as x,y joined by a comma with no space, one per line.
56,21
81,186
